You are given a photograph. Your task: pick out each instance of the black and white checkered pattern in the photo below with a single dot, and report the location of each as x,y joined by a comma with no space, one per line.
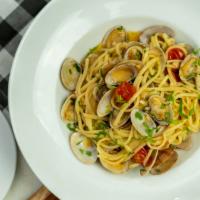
15,17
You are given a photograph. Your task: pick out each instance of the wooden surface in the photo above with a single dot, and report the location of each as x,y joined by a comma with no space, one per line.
43,194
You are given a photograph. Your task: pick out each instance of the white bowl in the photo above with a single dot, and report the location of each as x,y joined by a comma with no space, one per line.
8,156
69,29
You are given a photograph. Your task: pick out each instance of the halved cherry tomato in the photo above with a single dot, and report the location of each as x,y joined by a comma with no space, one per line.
176,54
140,155
125,90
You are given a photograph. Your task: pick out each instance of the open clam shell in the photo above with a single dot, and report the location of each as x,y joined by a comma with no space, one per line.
83,148
149,31
113,36
70,72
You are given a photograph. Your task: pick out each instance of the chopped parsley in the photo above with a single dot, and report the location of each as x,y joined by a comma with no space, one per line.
113,86
120,99
175,122
77,67
92,50
108,108
120,28
102,125
149,131
88,153
138,115
72,126
191,112
196,51
70,71
190,76
79,142
168,117
162,106
170,98
196,63
181,109
138,55
81,150
101,134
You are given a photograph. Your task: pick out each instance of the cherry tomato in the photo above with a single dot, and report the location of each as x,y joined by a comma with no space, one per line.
125,90
176,54
140,155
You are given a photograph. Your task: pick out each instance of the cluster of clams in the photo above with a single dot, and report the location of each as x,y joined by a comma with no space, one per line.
127,70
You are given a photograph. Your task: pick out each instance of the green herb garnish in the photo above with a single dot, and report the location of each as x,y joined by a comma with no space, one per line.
196,63
92,50
102,125
113,86
168,117
196,51
181,109
138,55
191,112
138,115
81,150
72,126
88,153
70,71
79,142
149,131
190,76
77,67
175,122
101,134
120,28
120,99
162,106
170,97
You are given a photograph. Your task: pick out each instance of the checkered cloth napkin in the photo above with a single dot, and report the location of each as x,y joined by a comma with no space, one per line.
15,17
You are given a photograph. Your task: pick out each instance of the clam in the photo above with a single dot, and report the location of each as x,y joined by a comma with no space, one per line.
117,168
124,71
135,51
99,91
70,72
160,111
188,69
68,110
83,148
104,106
186,144
143,123
148,32
165,160
112,37
123,120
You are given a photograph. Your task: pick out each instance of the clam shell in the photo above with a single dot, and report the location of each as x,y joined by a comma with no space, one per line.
83,148
69,74
124,71
104,107
149,31
141,121
113,36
